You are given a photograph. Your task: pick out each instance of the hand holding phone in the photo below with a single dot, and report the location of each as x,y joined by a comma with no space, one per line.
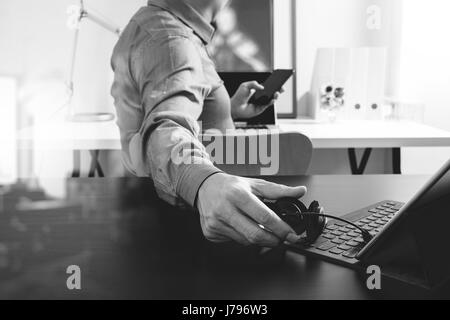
272,85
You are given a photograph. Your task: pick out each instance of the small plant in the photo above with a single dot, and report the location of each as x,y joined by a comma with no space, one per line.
332,99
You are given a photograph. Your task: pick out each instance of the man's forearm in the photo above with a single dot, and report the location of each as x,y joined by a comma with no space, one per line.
176,159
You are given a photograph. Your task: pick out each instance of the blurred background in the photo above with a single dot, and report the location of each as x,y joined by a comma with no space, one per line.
253,35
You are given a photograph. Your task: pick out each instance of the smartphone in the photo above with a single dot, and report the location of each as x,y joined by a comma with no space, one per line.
272,85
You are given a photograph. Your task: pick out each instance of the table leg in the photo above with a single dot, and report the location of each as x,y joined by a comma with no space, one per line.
76,173
397,160
358,169
95,165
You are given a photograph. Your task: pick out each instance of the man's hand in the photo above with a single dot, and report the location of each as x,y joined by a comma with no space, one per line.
241,109
230,209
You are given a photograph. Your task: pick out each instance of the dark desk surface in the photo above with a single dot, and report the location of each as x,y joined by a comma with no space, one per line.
131,245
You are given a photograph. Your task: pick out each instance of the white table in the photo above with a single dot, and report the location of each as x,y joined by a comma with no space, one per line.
76,136
369,135
349,135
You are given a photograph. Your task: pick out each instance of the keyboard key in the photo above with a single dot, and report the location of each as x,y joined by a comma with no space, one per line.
377,215
365,221
386,220
367,228
373,211
373,225
337,233
336,251
350,227
351,254
391,211
327,246
353,243
332,227
338,241
360,224
343,229
354,234
329,236
381,222
359,240
371,218
344,247
391,203
345,238
340,224
320,241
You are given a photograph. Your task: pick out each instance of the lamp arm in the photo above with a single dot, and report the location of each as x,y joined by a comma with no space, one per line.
78,14
101,22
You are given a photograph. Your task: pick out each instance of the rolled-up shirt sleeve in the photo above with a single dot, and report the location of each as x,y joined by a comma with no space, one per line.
172,84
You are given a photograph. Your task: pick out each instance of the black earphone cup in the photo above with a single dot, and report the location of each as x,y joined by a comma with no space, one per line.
292,202
303,220
287,210
311,225
315,226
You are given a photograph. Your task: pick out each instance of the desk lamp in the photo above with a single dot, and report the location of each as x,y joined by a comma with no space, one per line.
76,15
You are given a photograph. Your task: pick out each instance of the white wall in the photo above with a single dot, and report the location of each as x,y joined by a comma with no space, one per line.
416,32
8,119
341,24
425,74
35,47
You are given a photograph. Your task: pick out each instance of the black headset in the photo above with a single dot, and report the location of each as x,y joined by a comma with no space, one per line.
310,222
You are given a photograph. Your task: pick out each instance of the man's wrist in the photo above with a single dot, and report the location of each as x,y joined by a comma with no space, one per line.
202,185
193,177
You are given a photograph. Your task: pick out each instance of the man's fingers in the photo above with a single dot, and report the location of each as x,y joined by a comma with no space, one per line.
271,103
273,191
260,213
254,85
231,234
221,233
252,232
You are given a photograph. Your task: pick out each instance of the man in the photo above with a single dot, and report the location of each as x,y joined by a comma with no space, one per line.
164,83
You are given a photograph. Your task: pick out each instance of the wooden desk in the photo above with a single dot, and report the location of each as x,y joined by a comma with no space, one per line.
131,245
341,135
